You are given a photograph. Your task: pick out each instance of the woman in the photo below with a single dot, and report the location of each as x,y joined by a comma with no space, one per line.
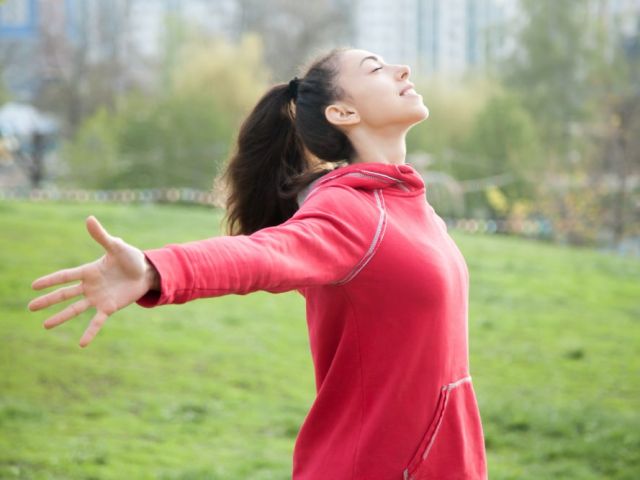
385,286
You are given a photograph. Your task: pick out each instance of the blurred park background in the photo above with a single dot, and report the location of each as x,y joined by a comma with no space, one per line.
128,109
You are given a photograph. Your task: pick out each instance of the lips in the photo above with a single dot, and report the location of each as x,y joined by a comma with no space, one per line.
407,88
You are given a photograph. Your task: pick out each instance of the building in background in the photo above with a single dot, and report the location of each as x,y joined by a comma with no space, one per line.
147,20
622,14
453,37
44,40
387,28
436,36
19,19
620,21
19,33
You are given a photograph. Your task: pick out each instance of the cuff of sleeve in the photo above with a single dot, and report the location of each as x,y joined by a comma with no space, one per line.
167,264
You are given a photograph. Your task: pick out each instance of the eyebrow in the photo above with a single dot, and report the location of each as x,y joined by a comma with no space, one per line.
370,57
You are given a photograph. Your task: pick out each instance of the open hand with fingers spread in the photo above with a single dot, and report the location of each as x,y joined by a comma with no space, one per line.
117,279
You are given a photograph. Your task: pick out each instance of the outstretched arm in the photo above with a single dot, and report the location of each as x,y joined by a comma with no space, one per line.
324,243
117,279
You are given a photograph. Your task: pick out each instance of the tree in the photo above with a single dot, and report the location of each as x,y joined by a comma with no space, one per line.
503,144
82,61
548,71
575,75
293,30
615,122
453,107
179,136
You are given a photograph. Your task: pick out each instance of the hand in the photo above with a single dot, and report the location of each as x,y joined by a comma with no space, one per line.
117,279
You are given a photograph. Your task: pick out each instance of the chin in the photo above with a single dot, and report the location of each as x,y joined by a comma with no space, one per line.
420,115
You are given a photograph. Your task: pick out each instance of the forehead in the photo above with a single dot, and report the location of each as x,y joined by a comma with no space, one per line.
351,60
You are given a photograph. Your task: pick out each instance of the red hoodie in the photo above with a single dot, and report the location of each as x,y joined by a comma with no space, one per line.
386,294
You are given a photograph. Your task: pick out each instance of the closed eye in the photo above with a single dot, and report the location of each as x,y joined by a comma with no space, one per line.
376,69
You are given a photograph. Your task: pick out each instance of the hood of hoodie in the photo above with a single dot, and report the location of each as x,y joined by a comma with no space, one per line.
369,176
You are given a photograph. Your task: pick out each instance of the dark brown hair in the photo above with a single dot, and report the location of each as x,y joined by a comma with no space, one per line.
273,159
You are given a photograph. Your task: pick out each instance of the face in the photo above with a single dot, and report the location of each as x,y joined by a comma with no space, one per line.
375,96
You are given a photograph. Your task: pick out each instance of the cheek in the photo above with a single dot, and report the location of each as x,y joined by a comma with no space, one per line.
377,111
376,92
377,103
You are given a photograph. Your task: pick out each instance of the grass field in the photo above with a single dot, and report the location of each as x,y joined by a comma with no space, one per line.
217,388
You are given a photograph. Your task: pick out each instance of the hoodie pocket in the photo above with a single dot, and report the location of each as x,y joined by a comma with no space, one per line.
452,447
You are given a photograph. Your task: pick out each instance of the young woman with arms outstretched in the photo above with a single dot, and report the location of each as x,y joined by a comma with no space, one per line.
386,288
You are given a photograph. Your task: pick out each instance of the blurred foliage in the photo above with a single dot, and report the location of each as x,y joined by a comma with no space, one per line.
180,135
497,200
577,76
477,129
452,109
548,72
551,132
503,140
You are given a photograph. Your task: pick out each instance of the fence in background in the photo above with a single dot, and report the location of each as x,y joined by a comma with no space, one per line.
151,195
529,228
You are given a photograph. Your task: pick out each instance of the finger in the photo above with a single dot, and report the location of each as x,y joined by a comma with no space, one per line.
61,276
94,327
71,311
58,296
99,234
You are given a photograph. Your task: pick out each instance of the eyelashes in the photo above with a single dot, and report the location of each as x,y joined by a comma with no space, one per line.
376,69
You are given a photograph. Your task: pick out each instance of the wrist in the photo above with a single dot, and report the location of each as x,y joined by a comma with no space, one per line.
152,277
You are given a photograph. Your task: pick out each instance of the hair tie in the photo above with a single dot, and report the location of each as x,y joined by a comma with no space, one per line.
293,87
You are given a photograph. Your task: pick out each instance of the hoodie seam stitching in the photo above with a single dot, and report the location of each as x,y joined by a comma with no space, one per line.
375,242
390,179
412,193
322,181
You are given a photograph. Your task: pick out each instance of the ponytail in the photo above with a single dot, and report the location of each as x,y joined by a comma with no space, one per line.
276,144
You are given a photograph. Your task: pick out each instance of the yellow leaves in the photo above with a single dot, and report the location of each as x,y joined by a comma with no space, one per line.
520,209
497,200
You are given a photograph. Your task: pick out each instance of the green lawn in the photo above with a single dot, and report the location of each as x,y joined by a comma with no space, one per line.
217,388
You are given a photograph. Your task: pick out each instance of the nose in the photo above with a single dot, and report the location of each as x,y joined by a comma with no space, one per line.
404,71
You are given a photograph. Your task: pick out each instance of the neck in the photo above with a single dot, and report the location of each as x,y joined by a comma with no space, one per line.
387,146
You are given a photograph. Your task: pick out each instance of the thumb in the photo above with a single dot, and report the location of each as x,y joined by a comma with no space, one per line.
99,234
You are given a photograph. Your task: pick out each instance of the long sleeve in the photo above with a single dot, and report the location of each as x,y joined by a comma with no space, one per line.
321,244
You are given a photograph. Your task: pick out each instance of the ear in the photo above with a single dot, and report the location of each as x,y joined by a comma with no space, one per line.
341,115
